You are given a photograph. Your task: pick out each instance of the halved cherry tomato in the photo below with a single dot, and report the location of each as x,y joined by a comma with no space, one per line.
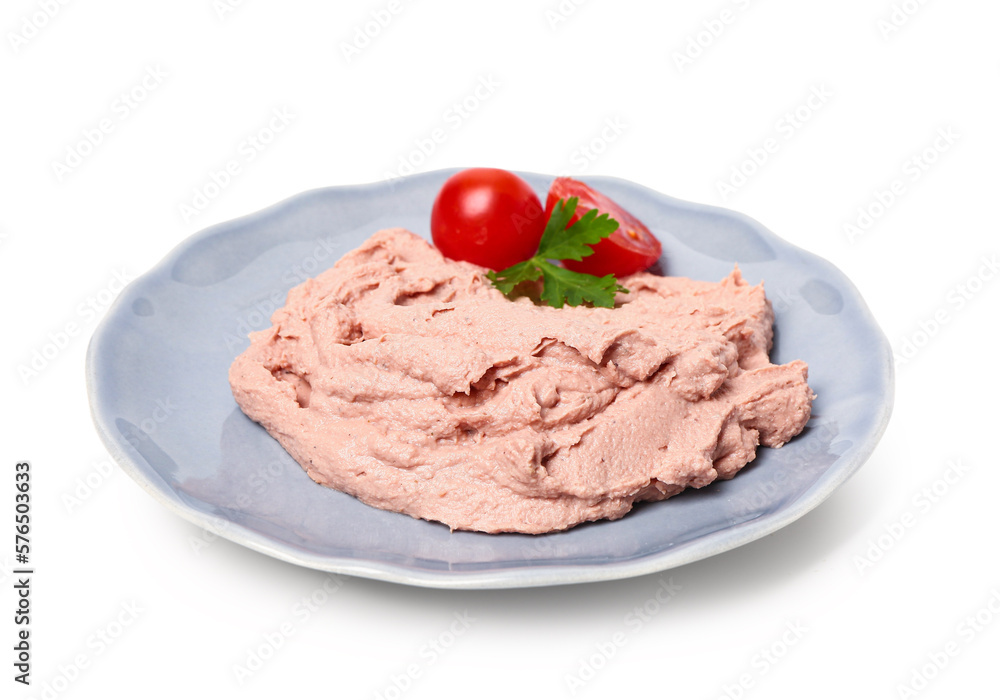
487,216
632,248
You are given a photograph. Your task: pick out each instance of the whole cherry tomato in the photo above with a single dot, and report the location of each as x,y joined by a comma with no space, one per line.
487,216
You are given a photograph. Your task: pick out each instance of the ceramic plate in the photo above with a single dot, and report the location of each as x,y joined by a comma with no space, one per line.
157,378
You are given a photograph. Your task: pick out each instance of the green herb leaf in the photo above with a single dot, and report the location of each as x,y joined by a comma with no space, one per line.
573,243
506,280
560,285
574,288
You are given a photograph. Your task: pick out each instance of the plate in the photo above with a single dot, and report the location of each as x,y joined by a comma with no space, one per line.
159,393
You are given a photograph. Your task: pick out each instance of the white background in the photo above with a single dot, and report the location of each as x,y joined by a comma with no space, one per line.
213,76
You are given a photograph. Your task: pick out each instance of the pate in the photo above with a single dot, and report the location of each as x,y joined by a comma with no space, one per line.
407,380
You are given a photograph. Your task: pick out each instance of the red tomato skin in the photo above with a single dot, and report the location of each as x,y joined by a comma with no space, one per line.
622,253
487,216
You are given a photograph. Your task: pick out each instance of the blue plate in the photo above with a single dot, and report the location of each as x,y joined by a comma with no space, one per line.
157,378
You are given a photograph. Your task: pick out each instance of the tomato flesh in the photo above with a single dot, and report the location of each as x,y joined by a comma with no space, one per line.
632,248
487,216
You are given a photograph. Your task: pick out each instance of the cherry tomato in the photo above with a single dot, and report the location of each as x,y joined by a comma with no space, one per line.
632,248
487,216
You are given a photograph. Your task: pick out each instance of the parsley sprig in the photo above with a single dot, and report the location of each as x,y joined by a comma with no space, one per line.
559,285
